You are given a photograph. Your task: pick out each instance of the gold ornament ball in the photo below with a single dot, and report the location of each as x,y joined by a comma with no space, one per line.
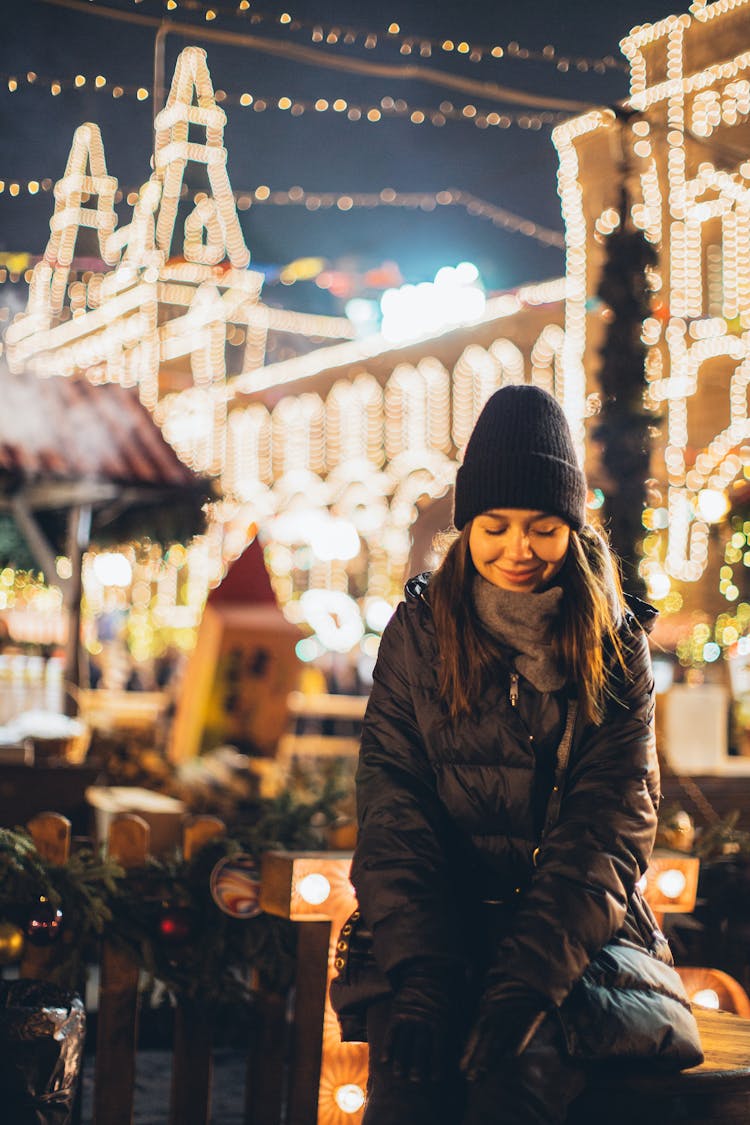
12,942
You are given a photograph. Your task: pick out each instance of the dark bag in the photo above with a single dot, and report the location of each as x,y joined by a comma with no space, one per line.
631,1006
359,981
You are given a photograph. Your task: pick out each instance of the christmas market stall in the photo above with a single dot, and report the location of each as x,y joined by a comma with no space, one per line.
87,484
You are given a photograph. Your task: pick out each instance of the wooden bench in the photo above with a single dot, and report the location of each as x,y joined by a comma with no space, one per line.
326,1075
715,1093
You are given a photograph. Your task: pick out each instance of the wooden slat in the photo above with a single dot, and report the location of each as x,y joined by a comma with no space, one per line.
307,1035
199,831
117,1029
190,1100
264,1078
192,1069
51,835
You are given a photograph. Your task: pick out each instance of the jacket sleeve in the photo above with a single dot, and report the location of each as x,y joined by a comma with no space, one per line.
399,870
591,860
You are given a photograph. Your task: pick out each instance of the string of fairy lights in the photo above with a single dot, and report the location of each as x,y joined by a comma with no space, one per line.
368,112
392,35
322,201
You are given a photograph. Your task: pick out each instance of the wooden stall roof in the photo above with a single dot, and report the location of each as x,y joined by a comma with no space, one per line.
61,429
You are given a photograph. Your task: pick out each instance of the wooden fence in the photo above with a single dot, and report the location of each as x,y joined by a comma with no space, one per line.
298,1070
296,1065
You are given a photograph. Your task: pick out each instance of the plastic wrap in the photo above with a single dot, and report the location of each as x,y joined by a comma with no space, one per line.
42,1033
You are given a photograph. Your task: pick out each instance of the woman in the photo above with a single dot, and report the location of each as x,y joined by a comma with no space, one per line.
481,928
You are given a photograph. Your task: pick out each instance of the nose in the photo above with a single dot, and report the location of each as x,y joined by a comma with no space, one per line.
518,547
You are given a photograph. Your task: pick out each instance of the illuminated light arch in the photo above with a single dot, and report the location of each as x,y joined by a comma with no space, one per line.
85,174
476,375
355,422
417,408
173,150
188,421
547,360
511,360
359,493
418,474
301,488
298,434
248,459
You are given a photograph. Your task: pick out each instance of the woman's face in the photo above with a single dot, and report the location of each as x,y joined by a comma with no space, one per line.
518,549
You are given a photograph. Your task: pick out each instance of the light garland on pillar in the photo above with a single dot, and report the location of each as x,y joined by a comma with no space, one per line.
698,212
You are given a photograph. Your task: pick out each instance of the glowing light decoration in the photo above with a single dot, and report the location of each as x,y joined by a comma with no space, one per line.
414,311
159,304
287,878
695,204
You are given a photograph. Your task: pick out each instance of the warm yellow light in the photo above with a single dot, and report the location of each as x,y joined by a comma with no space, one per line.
32,187
349,1098
706,998
246,99
393,29
100,81
314,889
141,93
671,883
210,14
262,192
80,80
712,505
285,18
285,103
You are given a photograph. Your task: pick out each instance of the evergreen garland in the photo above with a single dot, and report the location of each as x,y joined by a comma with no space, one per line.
623,425
83,888
217,962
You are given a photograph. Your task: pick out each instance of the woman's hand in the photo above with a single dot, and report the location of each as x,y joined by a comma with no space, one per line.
509,1016
419,1034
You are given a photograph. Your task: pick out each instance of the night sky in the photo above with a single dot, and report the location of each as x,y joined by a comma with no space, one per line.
513,168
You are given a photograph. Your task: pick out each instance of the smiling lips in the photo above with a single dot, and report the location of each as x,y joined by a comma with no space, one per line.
520,576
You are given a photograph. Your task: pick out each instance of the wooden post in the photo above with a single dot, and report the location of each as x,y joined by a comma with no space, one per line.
264,1076
307,1034
190,1101
51,835
117,1029
313,890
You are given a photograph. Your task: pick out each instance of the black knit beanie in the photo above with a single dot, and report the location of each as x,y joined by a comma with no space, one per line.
521,455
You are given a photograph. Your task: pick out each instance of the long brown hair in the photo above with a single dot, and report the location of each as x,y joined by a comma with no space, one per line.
592,610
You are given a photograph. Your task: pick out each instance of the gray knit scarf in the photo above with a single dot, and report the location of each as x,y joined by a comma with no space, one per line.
524,623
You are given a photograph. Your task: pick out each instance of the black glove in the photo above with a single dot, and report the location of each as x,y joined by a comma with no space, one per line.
510,1013
419,1033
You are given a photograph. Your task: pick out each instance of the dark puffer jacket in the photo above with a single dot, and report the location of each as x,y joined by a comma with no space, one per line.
450,814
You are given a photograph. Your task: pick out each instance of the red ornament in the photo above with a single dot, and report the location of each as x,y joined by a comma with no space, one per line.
176,924
44,923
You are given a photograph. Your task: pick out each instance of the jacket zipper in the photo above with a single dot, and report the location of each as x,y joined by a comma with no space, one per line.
513,689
